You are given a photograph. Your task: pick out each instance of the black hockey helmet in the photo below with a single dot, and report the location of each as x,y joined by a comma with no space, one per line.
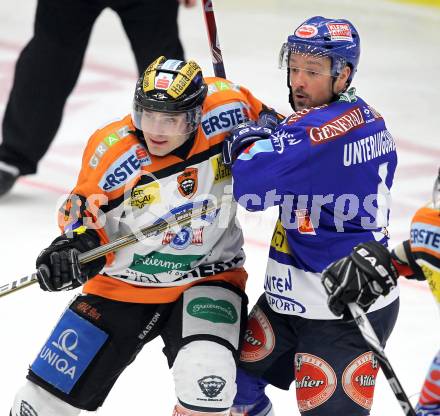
170,86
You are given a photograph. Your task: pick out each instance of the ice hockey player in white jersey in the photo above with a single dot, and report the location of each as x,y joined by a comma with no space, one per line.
185,284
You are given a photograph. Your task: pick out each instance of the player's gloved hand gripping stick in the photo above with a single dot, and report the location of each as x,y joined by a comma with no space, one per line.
204,211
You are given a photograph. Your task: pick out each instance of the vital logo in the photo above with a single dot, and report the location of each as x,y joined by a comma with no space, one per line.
216,311
26,409
222,119
156,262
211,386
187,182
145,195
221,172
359,379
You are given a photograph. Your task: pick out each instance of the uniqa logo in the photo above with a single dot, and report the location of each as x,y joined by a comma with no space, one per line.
67,342
60,364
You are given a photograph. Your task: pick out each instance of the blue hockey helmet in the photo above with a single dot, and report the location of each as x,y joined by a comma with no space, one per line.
334,38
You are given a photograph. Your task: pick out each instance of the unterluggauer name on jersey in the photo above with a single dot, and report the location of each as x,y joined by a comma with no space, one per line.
368,148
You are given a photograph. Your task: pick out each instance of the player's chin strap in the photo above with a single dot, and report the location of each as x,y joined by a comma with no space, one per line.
370,337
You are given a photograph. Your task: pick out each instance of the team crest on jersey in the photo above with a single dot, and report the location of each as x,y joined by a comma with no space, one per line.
187,182
211,386
359,379
315,381
259,339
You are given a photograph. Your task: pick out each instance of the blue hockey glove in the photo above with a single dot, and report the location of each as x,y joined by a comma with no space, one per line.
244,134
361,277
58,265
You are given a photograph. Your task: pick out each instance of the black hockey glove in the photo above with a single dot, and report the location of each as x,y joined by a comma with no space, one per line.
361,277
58,265
244,134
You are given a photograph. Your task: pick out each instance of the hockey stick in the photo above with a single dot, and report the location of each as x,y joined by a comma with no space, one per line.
201,211
211,28
370,337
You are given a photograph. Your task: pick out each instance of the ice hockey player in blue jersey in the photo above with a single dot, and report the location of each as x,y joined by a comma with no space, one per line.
329,167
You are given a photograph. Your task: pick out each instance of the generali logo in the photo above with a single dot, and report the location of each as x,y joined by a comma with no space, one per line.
337,127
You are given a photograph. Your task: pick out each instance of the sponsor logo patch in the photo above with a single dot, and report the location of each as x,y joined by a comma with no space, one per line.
315,381
108,142
305,225
183,238
216,311
187,182
211,386
359,379
163,80
67,353
306,31
259,339
340,31
221,172
126,167
223,118
337,127
145,195
156,262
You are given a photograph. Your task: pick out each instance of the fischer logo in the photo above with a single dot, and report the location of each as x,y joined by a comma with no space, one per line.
315,381
259,338
337,127
359,379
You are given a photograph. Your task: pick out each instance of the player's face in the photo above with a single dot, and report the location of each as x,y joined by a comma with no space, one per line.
164,132
310,80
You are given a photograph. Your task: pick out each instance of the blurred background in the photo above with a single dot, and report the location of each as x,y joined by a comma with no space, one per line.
398,75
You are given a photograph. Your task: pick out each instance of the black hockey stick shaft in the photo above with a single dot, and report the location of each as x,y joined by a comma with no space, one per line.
214,43
370,337
182,218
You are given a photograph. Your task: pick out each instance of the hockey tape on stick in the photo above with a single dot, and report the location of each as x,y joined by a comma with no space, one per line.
202,210
370,337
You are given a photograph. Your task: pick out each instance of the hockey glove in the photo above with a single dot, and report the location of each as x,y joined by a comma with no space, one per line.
58,265
244,134
361,277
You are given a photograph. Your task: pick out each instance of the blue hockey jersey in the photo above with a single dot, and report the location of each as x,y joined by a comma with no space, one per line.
330,170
